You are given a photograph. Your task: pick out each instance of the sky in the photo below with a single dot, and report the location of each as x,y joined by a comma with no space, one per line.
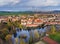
29,5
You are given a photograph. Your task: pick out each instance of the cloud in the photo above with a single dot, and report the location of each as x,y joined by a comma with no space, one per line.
52,2
29,5
6,2
37,3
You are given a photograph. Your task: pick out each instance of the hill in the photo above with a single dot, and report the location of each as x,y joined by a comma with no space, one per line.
28,12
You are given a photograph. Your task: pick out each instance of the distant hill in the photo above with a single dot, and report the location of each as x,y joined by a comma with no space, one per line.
28,12
16,13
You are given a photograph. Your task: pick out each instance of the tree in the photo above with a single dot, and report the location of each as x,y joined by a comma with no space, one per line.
4,32
53,30
8,38
20,26
17,24
1,41
22,41
36,35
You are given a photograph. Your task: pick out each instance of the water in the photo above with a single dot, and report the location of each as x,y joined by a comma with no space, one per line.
27,33
30,33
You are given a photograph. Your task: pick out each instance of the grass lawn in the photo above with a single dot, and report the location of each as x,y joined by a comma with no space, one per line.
55,37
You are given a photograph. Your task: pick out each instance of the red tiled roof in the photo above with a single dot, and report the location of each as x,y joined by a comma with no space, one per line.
38,20
49,41
51,22
31,25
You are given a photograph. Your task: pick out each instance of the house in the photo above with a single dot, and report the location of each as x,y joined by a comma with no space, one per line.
38,21
29,21
23,21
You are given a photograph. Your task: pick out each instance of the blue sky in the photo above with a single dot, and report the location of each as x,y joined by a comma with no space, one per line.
29,5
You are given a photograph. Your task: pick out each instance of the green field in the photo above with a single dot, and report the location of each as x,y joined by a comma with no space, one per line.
15,13
55,37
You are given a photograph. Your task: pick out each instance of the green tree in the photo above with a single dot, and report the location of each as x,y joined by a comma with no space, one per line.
4,33
8,38
53,30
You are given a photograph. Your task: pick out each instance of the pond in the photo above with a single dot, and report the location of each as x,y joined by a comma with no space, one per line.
20,33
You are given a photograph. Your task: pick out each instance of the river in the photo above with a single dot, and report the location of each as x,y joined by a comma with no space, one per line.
27,34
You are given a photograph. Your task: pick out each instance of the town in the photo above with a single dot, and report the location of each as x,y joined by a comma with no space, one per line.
29,21
30,29
36,19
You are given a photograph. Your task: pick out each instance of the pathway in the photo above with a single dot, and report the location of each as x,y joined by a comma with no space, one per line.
40,42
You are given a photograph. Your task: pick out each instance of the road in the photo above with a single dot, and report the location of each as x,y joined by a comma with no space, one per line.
40,42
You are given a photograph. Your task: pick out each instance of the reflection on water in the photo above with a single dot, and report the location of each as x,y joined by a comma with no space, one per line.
25,35
20,33
57,27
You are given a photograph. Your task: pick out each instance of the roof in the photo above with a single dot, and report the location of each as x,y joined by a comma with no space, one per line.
49,41
31,25
38,20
